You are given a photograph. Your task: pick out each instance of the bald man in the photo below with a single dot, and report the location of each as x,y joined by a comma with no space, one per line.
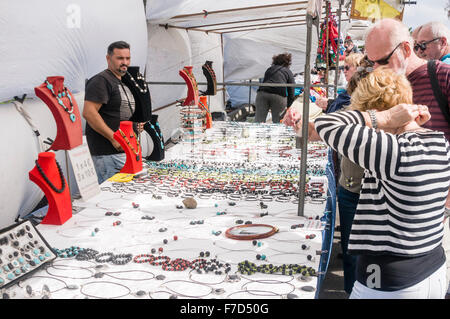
433,42
388,42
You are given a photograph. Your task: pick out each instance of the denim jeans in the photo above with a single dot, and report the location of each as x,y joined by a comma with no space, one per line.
107,166
347,202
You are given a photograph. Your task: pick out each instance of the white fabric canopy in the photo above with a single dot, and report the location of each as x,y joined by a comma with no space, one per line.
63,37
47,38
70,38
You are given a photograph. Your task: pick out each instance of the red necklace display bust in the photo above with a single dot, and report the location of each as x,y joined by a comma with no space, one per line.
47,174
65,111
192,94
127,138
203,104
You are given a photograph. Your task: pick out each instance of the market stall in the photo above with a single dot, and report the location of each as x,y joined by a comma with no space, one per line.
243,239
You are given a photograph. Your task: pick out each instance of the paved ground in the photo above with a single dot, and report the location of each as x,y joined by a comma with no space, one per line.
333,284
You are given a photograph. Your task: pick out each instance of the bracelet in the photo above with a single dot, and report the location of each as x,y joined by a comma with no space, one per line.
373,118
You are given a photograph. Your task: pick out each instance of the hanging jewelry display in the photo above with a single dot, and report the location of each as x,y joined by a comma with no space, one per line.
192,126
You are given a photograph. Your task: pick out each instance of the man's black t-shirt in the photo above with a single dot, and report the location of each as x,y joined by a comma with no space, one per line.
117,105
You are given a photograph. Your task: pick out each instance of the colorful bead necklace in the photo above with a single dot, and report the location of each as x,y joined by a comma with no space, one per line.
59,96
136,152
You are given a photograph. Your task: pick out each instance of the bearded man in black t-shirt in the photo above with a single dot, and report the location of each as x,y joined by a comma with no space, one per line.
107,102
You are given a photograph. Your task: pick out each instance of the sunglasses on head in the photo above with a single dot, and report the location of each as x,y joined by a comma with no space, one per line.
423,46
385,60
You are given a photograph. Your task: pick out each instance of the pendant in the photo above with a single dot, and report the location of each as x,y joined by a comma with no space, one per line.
138,158
73,118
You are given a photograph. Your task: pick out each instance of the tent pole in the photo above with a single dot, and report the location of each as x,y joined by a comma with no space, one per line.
223,75
304,138
338,72
327,48
250,92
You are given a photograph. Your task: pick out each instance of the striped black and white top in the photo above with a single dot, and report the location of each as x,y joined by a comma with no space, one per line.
405,184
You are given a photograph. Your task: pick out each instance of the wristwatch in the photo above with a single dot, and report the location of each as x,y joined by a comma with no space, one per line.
373,118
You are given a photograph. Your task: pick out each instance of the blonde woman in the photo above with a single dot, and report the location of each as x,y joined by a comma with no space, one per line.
397,230
351,63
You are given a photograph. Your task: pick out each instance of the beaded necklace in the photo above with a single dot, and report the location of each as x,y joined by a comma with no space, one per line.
192,78
140,78
61,176
157,134
136,152
59,97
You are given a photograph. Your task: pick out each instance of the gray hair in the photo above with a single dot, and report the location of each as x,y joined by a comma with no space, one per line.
398,33
438,30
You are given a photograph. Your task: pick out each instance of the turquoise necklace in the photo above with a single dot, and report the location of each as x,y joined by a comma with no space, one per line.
59,97
158,135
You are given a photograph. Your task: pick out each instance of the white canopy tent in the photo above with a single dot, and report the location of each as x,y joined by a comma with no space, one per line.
69,38
240,37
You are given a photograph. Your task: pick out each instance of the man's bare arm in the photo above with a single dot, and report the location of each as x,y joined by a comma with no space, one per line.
91,115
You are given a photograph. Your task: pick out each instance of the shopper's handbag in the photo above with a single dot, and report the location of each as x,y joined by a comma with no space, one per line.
440,97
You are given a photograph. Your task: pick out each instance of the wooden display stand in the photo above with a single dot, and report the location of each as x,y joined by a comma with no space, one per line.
59,202
131,146
192,95
69,131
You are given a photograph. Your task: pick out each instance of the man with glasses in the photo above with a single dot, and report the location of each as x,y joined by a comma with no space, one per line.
432,42
388,42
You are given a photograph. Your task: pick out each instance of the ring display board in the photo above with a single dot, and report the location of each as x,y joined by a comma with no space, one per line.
140,239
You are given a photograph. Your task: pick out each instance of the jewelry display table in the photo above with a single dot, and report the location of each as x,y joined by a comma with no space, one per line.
138,239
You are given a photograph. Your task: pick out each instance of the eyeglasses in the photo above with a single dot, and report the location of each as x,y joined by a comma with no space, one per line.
385,60
423,46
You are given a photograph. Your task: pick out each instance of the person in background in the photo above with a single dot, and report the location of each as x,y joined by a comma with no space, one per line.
348,174
389,43
349,46
397,230
432,42
351,62
414,34
275,99
107,102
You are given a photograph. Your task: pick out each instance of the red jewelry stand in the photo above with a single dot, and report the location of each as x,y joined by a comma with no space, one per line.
69,134
132,164
188,76
203,104
59,204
